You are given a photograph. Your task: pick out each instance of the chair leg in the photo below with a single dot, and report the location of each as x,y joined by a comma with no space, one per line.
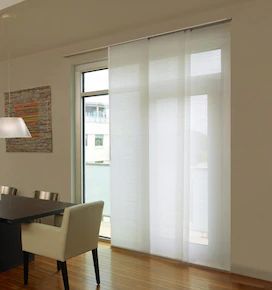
63,266
26,262
96,266
58,266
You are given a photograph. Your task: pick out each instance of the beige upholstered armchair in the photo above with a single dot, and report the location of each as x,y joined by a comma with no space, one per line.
78,234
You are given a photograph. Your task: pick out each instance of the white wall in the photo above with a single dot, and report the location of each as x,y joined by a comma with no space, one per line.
30,171
251,124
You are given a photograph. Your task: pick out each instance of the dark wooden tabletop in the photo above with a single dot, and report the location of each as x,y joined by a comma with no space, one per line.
19,209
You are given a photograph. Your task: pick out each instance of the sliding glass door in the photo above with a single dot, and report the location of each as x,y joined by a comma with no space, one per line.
96,142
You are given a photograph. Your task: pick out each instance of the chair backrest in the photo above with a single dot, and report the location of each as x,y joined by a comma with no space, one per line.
81,224
46,195
8,190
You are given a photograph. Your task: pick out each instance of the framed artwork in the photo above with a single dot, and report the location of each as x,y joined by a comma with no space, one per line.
34,106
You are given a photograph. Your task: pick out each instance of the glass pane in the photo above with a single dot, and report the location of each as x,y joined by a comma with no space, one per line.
96,80
199,169
205,63
99,139
97,156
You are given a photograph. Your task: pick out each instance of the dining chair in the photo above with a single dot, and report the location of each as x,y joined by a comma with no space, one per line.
78,234
8,190
46,195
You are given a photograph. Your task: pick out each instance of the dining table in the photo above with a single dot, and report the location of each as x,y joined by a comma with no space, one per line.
15,210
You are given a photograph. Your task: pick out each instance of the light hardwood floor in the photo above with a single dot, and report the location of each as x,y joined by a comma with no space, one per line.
124,270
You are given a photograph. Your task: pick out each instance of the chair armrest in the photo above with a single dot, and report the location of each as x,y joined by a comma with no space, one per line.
45,240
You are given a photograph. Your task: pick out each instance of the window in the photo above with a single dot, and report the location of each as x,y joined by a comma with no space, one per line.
91,111
96,143
199,170
98,110
97,80
99,140
205,63
101,113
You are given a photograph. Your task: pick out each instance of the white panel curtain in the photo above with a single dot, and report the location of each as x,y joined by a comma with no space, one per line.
170,146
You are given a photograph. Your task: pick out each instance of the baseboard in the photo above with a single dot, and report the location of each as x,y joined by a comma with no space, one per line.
251,272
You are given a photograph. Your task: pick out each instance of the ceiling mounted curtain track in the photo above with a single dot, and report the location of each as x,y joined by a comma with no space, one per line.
203,25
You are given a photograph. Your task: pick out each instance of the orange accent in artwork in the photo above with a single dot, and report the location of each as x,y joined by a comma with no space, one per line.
34,106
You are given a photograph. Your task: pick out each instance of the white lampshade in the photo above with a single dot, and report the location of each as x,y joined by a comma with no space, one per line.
13,127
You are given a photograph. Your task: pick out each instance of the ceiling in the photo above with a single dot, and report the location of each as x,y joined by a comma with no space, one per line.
7,3
45,24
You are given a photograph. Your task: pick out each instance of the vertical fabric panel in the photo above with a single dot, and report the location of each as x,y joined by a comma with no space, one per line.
129,145
166,139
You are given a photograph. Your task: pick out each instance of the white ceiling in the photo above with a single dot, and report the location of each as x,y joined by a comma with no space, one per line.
45,24
7,3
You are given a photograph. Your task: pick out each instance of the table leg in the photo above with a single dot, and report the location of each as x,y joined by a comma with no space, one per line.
11,254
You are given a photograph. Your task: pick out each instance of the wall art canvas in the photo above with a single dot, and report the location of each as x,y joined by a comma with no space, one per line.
34,106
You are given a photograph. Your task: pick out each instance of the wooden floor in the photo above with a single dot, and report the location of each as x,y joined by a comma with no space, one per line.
123,270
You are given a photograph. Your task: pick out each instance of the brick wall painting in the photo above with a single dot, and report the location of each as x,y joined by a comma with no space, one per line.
34,106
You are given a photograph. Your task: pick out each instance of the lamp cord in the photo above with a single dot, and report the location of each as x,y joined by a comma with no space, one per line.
6,17
9,93
9,67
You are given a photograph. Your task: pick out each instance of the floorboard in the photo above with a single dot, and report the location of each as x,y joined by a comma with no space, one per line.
124,270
